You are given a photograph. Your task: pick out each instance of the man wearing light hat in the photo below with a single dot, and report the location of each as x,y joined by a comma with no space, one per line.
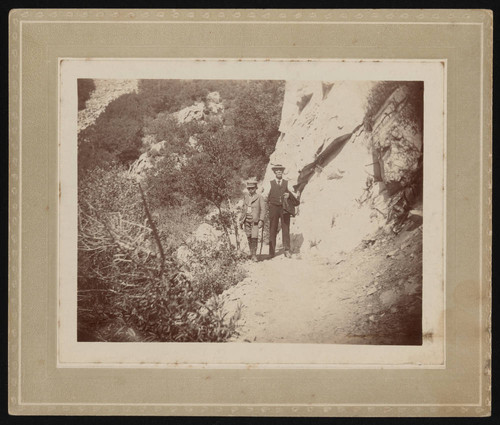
252,216
281,205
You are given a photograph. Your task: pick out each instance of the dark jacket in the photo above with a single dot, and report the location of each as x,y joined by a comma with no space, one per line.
290,204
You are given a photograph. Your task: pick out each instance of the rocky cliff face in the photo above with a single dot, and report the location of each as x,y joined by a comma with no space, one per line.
346,166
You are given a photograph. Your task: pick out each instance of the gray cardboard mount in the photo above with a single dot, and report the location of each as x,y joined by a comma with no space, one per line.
38,39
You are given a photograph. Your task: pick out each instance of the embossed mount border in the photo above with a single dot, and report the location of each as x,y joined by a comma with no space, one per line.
220,16
256,15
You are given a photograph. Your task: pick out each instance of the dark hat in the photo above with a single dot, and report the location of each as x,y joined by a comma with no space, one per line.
277,167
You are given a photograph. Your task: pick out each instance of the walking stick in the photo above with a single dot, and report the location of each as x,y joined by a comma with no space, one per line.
261,239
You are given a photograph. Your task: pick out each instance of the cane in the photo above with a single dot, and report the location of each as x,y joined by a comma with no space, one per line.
261,239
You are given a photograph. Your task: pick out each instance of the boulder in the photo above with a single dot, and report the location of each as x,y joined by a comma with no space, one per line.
146,161
198,111
190,113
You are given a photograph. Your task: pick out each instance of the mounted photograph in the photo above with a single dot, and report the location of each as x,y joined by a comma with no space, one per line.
250,212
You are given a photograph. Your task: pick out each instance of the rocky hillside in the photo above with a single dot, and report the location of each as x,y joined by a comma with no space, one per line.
212,107
105,91
352,170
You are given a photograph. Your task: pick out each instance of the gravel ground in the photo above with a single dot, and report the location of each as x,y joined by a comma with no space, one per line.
373,295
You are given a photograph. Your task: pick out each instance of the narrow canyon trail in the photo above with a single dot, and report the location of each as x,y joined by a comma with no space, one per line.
372,295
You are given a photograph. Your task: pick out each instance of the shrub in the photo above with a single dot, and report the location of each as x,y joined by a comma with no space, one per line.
177,223
116,134
128,288
214,266
211,175
164,183
110,190
256,117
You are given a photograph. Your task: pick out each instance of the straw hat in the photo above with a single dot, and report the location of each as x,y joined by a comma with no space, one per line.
251,183
277,167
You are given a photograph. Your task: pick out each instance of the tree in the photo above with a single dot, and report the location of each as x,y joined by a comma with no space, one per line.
166,127
256,117
212,173
165,181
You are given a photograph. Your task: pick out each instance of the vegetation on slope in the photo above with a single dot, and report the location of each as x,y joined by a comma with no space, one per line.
131,285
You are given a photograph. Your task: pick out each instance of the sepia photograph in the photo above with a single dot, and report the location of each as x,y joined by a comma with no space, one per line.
243,212
262,211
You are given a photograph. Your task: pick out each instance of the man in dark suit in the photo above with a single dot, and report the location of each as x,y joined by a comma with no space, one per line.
279,199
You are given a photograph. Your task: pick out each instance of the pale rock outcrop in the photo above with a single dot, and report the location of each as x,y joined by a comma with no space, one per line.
148,140
211,106
340,203
191,113
146,161
192,142
311,120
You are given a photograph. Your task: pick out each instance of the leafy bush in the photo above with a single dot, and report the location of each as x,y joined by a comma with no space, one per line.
110,190
214,267
165,183
128,287
115,136
166,127
172,95
176,223
256,117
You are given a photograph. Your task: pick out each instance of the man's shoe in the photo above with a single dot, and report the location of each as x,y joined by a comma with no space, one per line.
287,254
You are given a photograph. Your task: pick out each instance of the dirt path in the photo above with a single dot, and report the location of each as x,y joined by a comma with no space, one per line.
372,296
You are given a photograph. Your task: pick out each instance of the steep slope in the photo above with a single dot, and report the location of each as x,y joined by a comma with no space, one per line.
105,91
211,108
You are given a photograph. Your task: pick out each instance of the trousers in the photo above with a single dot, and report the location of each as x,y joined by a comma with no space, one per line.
251,229
276,214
